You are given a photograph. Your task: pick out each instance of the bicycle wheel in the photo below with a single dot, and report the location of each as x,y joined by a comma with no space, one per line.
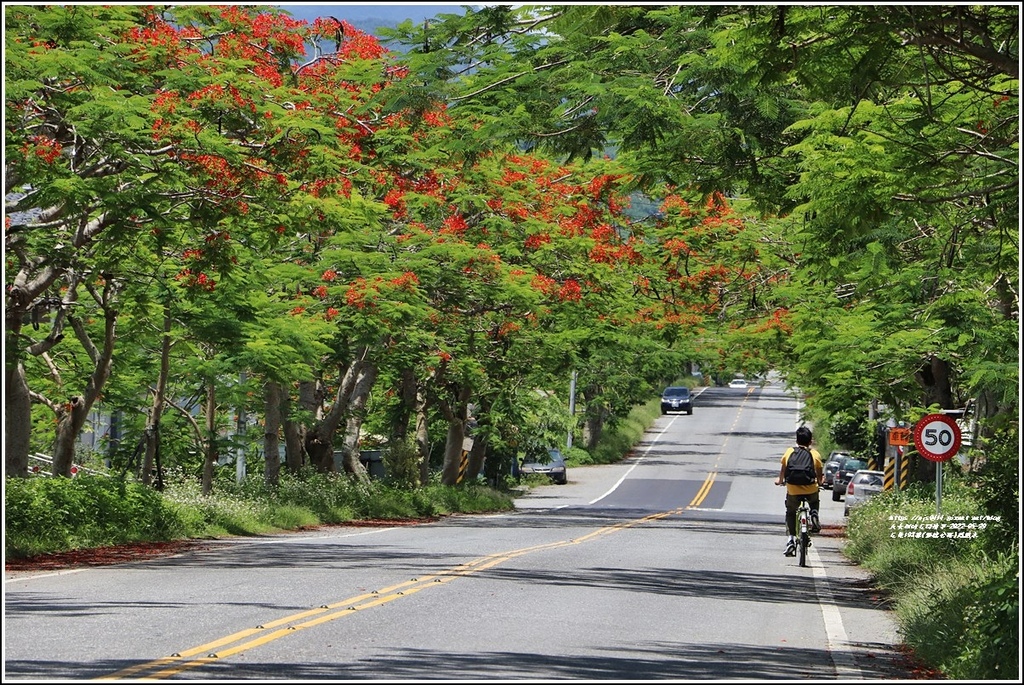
805,542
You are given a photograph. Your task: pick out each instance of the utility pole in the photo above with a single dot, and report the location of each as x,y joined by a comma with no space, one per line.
572,409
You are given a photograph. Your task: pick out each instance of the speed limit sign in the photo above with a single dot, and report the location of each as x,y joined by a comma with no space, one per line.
937,437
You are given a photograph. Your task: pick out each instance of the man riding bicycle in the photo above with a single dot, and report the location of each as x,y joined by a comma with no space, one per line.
803,478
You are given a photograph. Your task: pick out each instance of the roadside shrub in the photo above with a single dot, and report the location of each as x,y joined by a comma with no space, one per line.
577,456
972,605
292,517
998,487
56,514
991,639
402,465
876,540
957,599
622,436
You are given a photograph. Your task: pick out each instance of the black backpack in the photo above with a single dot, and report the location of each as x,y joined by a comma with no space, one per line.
800,467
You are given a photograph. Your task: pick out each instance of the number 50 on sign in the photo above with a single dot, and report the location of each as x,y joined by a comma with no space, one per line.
937,437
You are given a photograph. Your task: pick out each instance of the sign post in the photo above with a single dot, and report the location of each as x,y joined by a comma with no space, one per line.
937,438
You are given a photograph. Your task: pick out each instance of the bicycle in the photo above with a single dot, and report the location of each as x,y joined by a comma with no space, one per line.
803,540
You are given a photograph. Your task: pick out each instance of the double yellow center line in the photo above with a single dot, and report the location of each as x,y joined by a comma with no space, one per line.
251,638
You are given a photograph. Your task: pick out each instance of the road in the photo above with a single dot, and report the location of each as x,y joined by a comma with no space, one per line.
667,566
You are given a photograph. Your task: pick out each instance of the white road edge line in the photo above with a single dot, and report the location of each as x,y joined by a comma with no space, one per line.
835,632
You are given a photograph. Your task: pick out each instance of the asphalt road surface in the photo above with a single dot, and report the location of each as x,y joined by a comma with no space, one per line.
667,566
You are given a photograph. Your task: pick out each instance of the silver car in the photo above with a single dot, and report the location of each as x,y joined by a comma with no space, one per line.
551,464
863,484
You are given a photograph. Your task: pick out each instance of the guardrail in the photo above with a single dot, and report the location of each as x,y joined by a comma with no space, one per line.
42,465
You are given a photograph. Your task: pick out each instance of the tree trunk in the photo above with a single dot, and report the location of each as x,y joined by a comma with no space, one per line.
70,420
453,452
33,279
594,419
294,437
423,437
71,417
456,417
356,414
17,416
933,377
211,438
477,456
152,432
271,428
320,438
478,453
406,406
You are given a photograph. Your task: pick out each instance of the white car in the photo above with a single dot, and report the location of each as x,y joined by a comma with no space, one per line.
863,484
737,383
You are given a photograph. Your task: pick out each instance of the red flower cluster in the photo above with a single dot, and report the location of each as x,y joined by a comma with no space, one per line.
535,241
44,147
454,225
570,291
200,280
407,281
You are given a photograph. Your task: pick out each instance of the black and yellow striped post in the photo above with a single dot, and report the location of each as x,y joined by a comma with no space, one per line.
902,468
890,473
467,445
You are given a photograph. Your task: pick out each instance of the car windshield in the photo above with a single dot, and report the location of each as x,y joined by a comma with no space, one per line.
869,479
854,464
552,456
677,392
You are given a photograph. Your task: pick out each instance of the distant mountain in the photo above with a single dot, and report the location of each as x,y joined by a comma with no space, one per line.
368,18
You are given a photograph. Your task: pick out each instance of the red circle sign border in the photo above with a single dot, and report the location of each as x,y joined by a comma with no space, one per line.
919,428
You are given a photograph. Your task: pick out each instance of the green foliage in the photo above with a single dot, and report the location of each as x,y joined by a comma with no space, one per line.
991,616
897,561
402,465
577,456
44,515
973,605
619,439
957,599
998,487
55,514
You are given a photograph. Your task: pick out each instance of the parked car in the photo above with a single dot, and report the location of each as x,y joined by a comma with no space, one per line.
847,467
831,466
550,463
738,383
676,398
863,484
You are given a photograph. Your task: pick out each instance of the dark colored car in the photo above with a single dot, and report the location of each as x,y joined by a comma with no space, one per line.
676,398
847,467
831,466
550,463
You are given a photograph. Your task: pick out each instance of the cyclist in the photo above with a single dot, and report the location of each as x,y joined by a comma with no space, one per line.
796,493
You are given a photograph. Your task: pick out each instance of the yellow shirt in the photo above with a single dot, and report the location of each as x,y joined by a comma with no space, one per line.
803,489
